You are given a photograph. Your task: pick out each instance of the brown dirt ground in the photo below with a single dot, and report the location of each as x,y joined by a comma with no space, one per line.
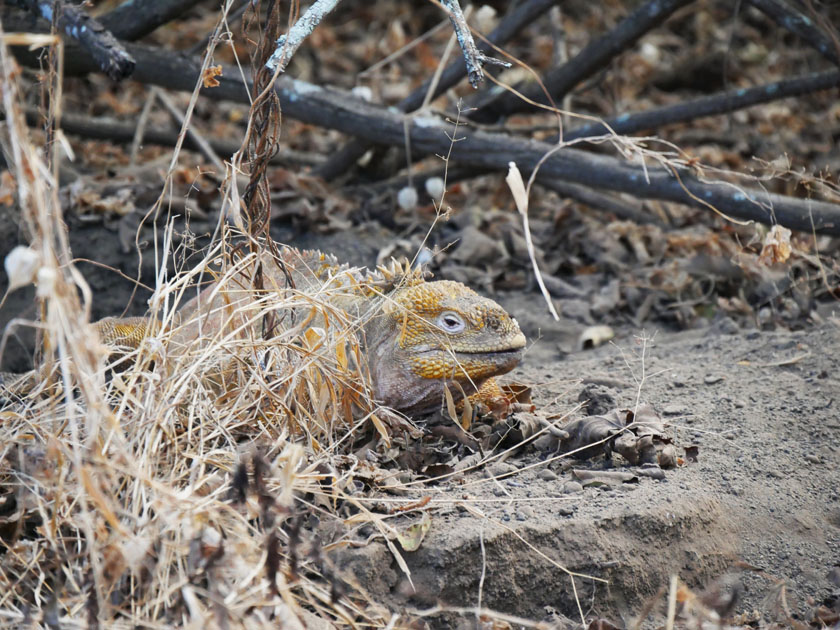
760,406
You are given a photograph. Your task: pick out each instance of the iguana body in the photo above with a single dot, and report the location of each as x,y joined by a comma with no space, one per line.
416,336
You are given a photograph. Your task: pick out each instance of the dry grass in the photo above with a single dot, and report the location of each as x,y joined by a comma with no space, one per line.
168,493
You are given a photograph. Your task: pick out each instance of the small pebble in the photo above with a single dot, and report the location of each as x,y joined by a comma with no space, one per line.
675,410
711,379
566,510
545,443
813,459
726,326
498,468
572,487
547,474
523,514
362,92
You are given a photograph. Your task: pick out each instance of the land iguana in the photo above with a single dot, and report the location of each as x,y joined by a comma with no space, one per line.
418,336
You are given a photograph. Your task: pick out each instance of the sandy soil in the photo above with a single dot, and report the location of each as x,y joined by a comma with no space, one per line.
759,406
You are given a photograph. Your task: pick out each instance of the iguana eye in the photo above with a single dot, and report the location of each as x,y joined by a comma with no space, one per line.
451,322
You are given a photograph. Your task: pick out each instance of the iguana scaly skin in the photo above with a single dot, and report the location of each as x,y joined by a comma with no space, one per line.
418,336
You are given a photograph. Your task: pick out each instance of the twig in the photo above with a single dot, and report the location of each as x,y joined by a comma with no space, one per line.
198,139
474,58
337,110
99,42
132,20
142,123
596,55
711,105
672,603
510,25
232,19
288,44
123,132
800,25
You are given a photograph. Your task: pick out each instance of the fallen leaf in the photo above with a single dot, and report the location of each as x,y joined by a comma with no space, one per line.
414,534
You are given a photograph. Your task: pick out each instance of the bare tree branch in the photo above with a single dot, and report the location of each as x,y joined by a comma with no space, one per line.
799,24
288,44
508,27
473,56
338,110
587,62
711,105
116,131
132,20
99,42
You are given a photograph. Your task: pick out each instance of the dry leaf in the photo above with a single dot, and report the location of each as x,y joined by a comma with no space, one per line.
776,247
208,78
7,188
411,538
517,188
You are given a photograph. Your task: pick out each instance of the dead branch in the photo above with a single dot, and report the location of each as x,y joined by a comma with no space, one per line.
132,20
473,56
799,24
586,196
711,105
338,110
288,44
91,34
595,56
100,128
508,27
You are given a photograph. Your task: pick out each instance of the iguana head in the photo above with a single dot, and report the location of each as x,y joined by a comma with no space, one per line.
433,333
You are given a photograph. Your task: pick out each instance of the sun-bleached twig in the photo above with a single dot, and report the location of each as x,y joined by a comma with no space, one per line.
473,57
288,44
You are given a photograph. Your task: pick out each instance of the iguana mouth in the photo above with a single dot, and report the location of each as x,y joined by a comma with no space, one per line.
490,352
